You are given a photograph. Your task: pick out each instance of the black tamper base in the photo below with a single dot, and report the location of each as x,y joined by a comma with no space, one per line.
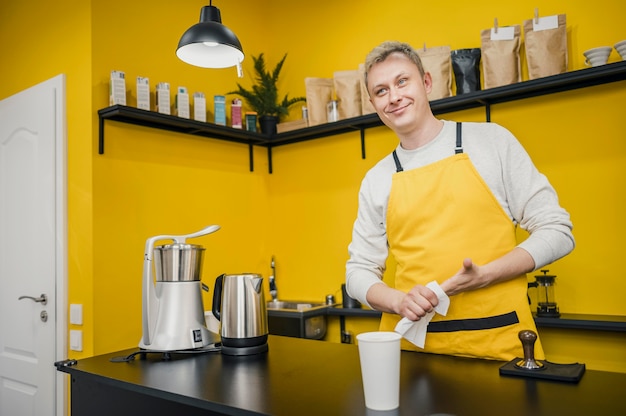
550,371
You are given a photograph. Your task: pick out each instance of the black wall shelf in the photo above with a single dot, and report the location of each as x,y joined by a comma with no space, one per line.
132,115
583,78
613,323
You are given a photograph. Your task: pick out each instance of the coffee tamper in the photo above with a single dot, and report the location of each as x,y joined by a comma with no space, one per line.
528,339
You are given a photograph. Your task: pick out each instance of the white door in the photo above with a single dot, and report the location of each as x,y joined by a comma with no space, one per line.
33,250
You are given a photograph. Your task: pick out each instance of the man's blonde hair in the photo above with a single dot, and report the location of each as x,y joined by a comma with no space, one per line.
382,51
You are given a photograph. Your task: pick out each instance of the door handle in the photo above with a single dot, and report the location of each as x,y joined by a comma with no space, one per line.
43,298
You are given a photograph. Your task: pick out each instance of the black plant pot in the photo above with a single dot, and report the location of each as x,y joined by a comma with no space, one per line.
268,125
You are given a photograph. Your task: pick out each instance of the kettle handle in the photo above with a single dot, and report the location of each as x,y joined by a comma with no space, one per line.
217,297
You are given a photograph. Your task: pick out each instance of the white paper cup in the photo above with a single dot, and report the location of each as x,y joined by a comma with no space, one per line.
379,353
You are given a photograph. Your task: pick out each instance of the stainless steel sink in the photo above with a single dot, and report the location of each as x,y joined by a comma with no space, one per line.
299,306
297,318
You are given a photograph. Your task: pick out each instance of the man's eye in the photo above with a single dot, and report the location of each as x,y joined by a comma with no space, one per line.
402,81
380,91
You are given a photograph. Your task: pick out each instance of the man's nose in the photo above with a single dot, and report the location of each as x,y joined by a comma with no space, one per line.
394,95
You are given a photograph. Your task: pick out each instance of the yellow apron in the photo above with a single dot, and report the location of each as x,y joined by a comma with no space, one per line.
438,215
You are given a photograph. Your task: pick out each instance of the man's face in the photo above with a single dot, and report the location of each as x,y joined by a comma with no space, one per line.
399,93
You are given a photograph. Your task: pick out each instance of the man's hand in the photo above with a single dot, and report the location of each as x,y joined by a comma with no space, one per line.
469,277
417,303
472,276
412,305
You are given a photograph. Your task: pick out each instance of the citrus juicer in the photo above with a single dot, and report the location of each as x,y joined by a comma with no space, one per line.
172,310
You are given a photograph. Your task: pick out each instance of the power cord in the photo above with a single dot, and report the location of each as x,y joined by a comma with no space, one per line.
167,355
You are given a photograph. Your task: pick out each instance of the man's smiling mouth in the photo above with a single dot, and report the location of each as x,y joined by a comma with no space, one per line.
397,109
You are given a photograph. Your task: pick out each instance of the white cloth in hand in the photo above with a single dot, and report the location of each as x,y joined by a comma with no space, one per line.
415,331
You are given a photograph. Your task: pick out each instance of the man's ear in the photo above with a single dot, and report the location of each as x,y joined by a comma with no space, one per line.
428,82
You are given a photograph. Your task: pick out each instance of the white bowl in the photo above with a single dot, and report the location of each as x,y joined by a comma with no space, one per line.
597,55
598,51
596,62
603,50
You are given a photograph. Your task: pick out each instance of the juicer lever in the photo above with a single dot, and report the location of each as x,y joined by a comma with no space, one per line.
180,239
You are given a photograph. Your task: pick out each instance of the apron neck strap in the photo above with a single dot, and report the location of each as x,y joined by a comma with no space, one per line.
458,149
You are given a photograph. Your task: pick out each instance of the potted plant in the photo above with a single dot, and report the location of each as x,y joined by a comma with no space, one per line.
263,97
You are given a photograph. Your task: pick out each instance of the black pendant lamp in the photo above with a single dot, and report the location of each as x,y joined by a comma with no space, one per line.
210,44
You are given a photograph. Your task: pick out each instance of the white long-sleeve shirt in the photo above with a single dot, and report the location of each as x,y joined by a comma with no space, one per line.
523,192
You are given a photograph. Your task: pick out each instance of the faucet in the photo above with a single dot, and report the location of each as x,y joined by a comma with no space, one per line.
272,281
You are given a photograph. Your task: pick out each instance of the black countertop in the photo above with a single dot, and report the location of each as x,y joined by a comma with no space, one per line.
306,377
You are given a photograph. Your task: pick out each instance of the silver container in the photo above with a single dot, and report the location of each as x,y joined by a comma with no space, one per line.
178,262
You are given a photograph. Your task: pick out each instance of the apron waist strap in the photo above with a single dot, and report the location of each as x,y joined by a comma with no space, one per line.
476,324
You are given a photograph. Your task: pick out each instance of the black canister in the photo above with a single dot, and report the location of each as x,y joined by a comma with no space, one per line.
466,67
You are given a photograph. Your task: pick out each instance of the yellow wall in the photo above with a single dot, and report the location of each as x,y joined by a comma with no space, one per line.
150,182
39,40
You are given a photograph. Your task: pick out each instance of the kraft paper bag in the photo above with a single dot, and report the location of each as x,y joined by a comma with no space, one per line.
546,46
366,105
348,90
500,56
438,63
319,91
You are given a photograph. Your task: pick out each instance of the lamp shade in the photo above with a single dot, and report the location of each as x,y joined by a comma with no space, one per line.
210,44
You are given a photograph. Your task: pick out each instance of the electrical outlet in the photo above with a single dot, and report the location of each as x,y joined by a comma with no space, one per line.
76,340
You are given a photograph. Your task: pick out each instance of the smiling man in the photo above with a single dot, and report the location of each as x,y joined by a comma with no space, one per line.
444,205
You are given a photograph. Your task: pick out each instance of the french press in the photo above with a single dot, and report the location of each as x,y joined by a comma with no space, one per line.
546,301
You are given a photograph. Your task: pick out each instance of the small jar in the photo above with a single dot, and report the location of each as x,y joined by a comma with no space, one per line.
305,114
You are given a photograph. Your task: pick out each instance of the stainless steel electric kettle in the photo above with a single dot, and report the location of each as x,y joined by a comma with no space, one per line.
239,303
